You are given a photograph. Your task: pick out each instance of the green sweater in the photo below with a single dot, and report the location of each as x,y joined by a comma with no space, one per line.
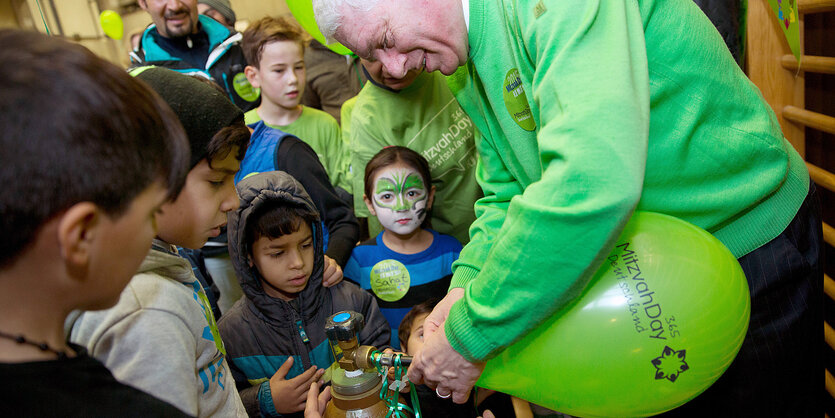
321,131
589,110
426,118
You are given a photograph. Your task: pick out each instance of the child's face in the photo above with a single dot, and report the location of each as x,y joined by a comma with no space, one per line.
123,242
415,342
200,210
399,199
281,74
285,263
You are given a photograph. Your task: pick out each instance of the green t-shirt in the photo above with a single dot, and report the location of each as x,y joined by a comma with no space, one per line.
321,131
426,118
590,110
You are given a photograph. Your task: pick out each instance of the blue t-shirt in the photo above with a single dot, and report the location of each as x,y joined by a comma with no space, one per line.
401,281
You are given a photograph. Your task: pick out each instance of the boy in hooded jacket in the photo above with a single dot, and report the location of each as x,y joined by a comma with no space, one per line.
275,335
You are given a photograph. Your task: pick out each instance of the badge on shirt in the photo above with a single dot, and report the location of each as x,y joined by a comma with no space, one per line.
390,280
516,101
244,89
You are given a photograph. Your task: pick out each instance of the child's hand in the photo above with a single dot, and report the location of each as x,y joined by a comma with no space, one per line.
487,414
291,395
333,273
316,402
403,388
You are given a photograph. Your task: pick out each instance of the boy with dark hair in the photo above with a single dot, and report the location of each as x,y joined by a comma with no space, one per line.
68,195
287,136
275,335
162,336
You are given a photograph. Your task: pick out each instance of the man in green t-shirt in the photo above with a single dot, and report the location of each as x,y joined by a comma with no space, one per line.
417,111
588,111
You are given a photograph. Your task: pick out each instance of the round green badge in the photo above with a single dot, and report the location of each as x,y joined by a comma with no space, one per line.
244,89
390,280
516,101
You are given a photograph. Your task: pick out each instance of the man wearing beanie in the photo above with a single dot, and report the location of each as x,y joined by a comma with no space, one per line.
219,10
183,40
161,336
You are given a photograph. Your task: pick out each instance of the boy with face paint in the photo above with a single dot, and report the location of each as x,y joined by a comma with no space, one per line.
407,263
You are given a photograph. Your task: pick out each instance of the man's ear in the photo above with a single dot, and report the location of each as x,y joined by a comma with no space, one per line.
252,76
369,205
431,198
142,4
77,230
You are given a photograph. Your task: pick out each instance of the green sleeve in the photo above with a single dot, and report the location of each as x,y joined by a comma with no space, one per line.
536,250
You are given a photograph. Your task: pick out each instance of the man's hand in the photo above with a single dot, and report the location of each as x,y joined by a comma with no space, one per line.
291,395
316,402
333,273
435,320
438,365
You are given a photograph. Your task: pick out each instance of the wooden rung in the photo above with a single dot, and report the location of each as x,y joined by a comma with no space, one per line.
829,286
830,383
822,177
815,6
829,234
811,119
829,335
811,63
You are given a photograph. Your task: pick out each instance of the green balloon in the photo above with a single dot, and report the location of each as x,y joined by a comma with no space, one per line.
661,320
302,10
111,24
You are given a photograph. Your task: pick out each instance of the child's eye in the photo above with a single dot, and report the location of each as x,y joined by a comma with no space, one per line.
307,245
386,196
276,254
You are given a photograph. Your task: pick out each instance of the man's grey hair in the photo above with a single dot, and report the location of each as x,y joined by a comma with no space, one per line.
328,14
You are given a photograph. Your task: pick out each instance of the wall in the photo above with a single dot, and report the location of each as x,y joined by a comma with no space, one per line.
77,20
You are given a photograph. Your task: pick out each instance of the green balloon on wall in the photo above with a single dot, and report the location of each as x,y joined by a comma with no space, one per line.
302,10
111,24
661,320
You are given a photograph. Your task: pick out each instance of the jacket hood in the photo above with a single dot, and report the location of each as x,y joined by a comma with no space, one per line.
255,191
163,260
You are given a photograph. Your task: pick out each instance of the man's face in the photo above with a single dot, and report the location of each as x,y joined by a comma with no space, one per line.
200,210
174,18
285,263
380,75
280,74
407,35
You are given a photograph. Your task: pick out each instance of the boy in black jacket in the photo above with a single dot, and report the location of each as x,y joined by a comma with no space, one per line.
275,336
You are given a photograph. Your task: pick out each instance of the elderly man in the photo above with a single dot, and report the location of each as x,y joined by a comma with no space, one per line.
589,110
186,42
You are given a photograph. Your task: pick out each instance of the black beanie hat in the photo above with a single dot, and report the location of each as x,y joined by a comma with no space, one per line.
202,109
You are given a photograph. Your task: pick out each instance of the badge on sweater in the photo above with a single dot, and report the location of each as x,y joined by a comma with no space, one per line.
390,280
516,101
244,89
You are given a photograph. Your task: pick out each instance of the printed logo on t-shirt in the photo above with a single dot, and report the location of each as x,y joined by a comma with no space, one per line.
390,280
516,101
244,89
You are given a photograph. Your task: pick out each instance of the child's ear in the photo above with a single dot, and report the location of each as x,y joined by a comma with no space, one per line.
77,231
431,198
369,205
253,76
